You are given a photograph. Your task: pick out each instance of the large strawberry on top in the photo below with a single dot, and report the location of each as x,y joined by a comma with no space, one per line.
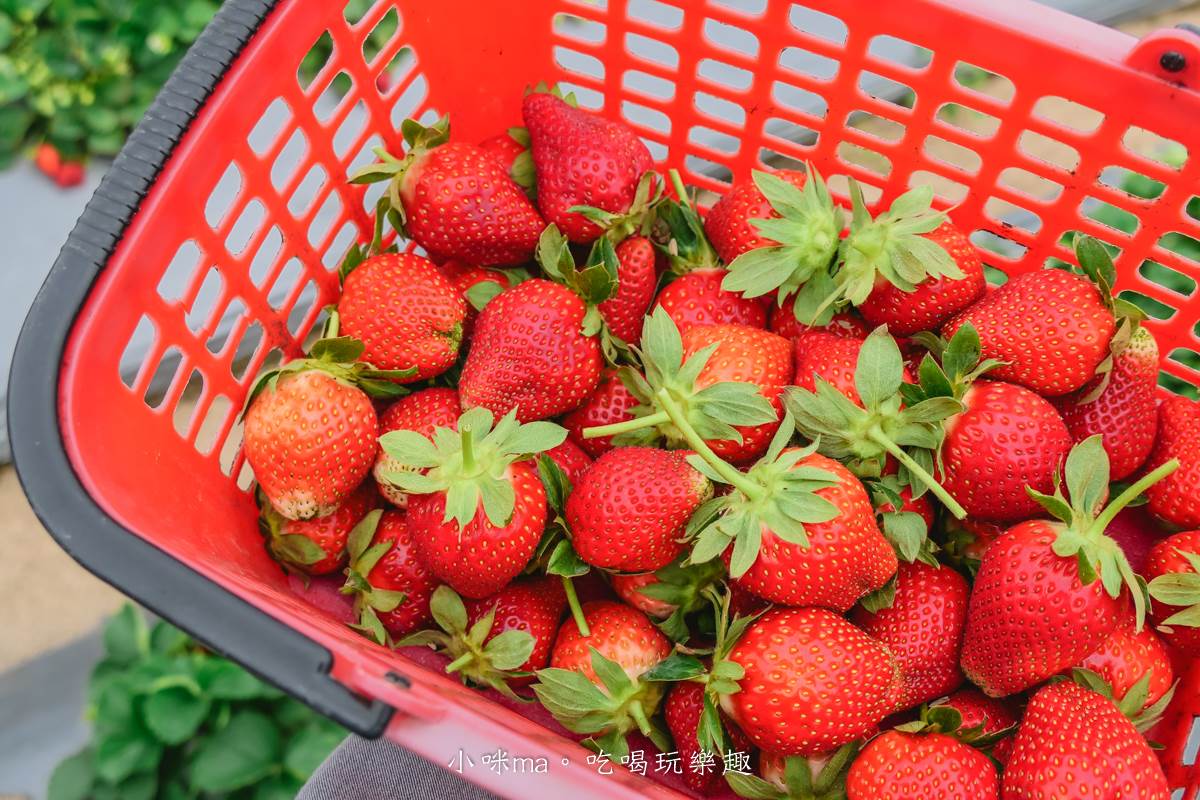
454,199
477,507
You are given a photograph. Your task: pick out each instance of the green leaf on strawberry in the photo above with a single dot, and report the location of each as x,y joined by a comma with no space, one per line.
865,436
686,245
1181,590
469,465
369,602
637,219
474,658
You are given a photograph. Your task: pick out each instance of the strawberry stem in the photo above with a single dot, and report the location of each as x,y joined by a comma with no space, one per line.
639,716
1105,518
731,475
680,190
460,662
468,449
636,424
880,438
576,609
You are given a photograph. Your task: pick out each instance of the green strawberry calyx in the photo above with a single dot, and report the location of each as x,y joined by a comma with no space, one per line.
892,246
864,436
1133,703
813,778
687,247
1180,590
606,713
807,233
639,218
338,357
294,551
685,587
555,554
945,719
419,140
594,282
364,553
711,412
906,530
477,661
470,465
1084,518
1096,263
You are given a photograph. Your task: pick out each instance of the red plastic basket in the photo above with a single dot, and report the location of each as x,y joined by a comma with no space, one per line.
211,246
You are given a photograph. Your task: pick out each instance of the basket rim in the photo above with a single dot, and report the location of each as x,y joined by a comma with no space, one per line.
264,645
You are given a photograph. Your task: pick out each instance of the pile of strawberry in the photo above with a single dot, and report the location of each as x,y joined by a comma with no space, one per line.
837,502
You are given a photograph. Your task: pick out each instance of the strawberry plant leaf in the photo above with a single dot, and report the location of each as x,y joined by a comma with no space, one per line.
482,293
906,530
753,787
880,368
174,714
238,755
566,562
448,610
510,649
74,777
673,668
410,448
1087,474
881,598
555,482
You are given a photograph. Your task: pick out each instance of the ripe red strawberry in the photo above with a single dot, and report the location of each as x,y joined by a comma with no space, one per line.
629,511
1129,656
593,685
1177,499
571,459
456,200
405,312
390,585
846,324
1038,605
697,299
479,507
682,709
1125,411
465,278
1076,743
64,172
728,223
423,411
1172,571
628,588
310,439
506,147
1051,329
529,353
812,682
1006,439
987,714
921,766
636,280
581,159
844,558
534,606
935,298
315,546
608,405
923,628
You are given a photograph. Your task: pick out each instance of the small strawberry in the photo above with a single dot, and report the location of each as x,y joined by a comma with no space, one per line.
1124,412
455,200
670,594
1177,499
1052,329
581,159
422,411
405,312
850,397
637,279
391,587
499,641
511,149
593,685
571,459
731,224
1129,657
682,711
1073,743
629,589
727,377
921,766
1172,571
314,546
923,627
477,285
310,429
989,715
1048,593
845,324
530,353
629,510
478,509
965,541
608,405
811,682
697,299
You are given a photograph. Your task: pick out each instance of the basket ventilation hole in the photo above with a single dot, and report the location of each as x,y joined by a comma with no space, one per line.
230,318
133,357
211,426
223,195
179,272
409,101
249,222
984,82
896,51
185,408
304,308
247,348
206,300
163,376
289,160
818,24
652,51
738,41
1068,114
381,36
968,119
315,60
579,29
1012,218
308,190
266,257
280,294
350,130
336,251
663,16
265,132
877,127
323,220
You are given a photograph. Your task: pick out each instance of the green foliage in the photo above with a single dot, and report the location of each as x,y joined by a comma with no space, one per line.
80,73
171,719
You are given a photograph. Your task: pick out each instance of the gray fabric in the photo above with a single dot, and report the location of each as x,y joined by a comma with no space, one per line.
379,770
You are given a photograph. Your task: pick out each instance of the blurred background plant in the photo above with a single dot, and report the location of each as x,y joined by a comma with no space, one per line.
172,720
